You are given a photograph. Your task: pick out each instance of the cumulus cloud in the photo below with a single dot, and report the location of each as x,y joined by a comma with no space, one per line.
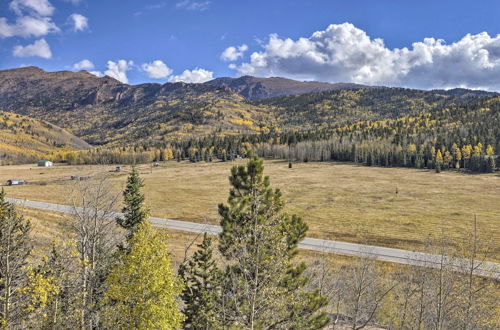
343,52
38,48
37,7
233,53
118,70
27,26
83,65
32,19
156,69
79,22
193,76
193,5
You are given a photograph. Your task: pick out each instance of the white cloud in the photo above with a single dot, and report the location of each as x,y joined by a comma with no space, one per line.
343,52
39,48
233,53
37,7
80,22
118,70
32,19
193,76
193,5
97,73
83,65
27,26
156,69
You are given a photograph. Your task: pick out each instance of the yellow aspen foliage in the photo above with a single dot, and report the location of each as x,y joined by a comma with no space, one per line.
39,291
169,154
143,288
466,151
439,157
489,150
456,152
477,151
412,148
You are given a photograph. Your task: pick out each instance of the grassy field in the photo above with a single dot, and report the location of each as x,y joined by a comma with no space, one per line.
48,227
339,201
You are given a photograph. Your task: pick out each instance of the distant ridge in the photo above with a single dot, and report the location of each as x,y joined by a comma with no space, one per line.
463,92
104,111
253,88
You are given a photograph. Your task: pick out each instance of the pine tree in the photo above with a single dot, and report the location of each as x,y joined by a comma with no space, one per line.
491,164
134,212
142,287
262,286
438,168
202,287
14,250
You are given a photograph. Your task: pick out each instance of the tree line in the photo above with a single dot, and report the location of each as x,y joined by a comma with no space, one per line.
116,272
462,137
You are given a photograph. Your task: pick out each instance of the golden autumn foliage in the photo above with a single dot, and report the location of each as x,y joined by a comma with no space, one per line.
142,287
24,139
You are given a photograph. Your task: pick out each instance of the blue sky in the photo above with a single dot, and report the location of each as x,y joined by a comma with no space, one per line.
370,41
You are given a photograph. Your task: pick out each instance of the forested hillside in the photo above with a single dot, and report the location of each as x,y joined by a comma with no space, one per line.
377,126
103,110
332,108
24,139
461,137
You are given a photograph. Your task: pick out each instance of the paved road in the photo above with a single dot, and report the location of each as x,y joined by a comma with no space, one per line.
489,269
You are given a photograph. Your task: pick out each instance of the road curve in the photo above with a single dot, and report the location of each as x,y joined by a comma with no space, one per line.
484,268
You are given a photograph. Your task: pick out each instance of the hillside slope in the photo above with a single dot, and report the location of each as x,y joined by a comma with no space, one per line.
103,111
24,139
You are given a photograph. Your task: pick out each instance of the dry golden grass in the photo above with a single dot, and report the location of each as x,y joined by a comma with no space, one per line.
52,226
46,227
339,201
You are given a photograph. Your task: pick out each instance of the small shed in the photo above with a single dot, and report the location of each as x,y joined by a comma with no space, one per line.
45,163
16,182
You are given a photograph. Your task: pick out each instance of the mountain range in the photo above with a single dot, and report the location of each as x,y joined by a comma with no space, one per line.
104,111
253,88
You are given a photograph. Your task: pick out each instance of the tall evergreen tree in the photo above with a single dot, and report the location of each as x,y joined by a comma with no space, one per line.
14,250
202,287
262,286
142,287
134,211
491,164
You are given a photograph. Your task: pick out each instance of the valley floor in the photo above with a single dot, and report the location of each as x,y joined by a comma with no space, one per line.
393,207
